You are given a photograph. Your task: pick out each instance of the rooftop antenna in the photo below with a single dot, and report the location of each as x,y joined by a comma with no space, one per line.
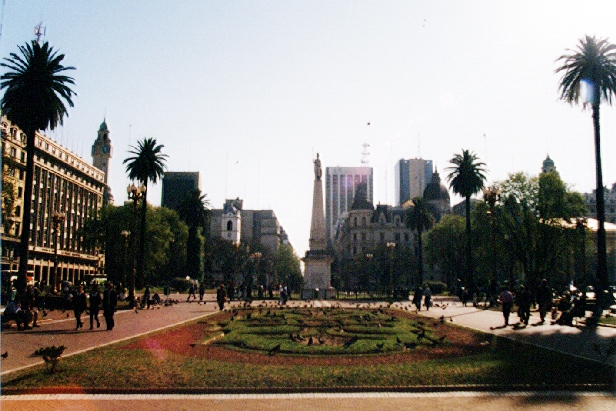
39,31
365,155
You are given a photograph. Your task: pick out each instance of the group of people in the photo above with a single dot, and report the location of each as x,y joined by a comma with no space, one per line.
569,306
222,295
426,294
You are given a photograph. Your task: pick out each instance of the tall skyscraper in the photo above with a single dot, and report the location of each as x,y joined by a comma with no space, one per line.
176,185
412,177
340,187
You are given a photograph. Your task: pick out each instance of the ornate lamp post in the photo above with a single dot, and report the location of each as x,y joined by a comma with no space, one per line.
391,247
135,193
57,219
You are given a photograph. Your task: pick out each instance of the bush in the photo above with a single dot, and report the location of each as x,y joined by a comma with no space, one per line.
437,287
180,284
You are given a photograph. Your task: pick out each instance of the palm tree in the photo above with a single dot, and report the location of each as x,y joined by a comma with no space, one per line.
194,211
420,218
147,164
592,66
35,98
466,178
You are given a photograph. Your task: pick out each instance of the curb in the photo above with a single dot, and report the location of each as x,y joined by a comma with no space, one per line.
606,388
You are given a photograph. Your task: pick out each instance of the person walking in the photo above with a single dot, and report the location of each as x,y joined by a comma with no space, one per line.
417,298
523,299
544,298
191,292
201,291
146,298
80,303
110,301
427,297
506,299
95,306
221,296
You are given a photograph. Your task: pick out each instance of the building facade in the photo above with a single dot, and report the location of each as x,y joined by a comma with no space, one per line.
412,177
233,223
63,183
176,185
340,187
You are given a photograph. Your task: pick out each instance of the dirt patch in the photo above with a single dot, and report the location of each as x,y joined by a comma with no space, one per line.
188,341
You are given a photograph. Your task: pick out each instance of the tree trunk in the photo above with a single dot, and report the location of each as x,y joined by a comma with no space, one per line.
22,276
469,258
601,246
141,280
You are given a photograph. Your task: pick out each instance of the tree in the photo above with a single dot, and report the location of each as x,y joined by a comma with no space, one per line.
193,210
445,247
420,218
147,164
287,268
592,66
467,178
35,97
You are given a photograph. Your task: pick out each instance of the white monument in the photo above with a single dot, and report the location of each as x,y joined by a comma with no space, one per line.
317,262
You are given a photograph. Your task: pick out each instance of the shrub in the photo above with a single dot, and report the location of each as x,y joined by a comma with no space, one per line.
180,284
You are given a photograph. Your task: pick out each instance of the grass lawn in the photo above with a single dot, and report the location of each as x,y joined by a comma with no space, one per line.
313,348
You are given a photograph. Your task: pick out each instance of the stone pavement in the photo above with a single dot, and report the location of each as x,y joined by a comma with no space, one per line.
57,329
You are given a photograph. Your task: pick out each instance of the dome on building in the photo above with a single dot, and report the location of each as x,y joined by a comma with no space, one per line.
361,202
103,126
435,190
548,165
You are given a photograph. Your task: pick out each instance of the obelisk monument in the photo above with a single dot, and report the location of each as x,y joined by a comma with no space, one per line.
317,262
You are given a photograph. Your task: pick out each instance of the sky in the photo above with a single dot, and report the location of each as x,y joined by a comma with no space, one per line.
248,92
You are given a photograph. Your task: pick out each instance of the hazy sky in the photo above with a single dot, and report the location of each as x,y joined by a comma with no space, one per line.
247,92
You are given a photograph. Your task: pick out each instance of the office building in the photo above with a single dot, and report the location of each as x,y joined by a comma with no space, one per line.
412,177
63,183
340,187
176,185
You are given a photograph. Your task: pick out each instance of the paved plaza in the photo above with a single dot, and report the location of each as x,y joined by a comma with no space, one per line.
58,329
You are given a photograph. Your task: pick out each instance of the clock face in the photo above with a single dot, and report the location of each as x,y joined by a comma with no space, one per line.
106,149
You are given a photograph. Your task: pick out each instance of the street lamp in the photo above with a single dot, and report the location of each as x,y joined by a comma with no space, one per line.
57,219
253,267
369,257
390,247
581,224
125,234
135,193
491,196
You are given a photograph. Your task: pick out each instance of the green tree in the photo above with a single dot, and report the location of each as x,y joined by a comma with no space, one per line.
35,98
467,178
592,65
445,244
287,268
420,218
194,211
147,164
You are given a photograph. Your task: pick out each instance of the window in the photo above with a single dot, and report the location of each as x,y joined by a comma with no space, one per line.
382,236
229,225
363,236
363,221
355,221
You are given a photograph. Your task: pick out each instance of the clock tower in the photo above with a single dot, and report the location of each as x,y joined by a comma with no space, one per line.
102,150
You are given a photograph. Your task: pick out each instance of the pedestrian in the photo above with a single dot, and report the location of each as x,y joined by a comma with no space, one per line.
523,299
146,297
427,297
95,305
80,303
417,297
30,313
201,291
506,299
221,296
191,292
544,298
110,301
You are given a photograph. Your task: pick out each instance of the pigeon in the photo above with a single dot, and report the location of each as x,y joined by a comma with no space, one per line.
380,345
274,350
310,341
398,340
351,342
410,345
5,355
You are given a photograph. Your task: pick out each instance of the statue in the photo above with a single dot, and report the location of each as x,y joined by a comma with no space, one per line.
317,168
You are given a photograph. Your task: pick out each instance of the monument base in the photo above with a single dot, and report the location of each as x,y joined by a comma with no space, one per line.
317,276
318,293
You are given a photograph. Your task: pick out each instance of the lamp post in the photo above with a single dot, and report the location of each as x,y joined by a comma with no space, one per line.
125,234
581,226
57,219
369,257
390,247
491,196
253,267
135,193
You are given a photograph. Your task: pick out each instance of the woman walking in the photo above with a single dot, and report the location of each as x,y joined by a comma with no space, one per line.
95,306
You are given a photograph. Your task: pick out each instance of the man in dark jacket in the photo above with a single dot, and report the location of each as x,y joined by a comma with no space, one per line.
544,298
110,301
221,296
80,303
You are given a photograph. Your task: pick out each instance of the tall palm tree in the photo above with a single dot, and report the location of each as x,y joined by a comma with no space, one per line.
467,178
147,164
593,66
194,211
420,218
35,98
